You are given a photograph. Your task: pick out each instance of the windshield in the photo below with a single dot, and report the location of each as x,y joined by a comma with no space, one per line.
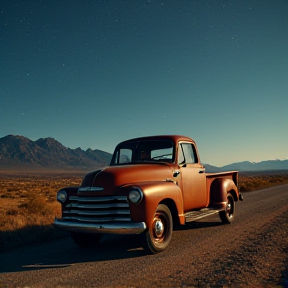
148,151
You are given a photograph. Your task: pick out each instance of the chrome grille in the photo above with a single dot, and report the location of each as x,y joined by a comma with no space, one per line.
97,209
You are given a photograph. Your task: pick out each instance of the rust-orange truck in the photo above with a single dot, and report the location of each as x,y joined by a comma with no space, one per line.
151,184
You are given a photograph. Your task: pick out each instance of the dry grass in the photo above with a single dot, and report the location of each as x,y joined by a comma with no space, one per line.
28,203
28,206
261,180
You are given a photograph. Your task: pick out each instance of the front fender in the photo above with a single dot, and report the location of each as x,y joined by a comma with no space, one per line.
218,192
154,193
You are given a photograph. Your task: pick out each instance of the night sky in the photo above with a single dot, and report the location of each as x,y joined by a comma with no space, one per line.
93,73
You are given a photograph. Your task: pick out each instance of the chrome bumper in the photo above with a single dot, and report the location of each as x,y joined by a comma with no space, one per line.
102,228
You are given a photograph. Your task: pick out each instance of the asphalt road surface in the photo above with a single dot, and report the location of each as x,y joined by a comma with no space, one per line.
251,252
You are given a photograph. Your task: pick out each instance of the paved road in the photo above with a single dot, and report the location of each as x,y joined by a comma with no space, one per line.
253,251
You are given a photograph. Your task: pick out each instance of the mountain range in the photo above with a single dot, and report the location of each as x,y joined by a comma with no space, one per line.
20,153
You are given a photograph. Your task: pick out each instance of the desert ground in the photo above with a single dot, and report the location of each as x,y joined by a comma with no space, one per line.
28,202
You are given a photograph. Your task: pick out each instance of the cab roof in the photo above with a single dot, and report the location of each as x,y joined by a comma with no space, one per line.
174,138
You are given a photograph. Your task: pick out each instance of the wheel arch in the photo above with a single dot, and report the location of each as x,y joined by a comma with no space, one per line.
219,189
234,194
173,209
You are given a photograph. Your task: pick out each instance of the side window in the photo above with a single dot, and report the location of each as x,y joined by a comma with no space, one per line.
189,153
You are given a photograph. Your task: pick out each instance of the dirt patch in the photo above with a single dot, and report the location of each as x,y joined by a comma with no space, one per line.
264,253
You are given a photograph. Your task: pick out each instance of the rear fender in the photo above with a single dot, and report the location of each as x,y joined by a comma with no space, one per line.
154,193
218,192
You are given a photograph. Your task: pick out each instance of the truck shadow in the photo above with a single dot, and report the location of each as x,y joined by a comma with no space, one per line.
197,225
64,252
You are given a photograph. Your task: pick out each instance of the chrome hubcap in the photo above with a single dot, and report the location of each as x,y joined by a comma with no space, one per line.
159,228
229,208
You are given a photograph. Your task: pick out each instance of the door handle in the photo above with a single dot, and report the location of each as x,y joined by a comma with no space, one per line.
201,171
176,173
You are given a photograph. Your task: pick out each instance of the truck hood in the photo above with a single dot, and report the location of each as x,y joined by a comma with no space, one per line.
114,177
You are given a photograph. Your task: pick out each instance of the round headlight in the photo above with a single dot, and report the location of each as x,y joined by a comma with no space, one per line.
135,195
61,196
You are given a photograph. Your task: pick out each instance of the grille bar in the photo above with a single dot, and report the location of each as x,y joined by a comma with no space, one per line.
100,220
98,199
97,206
97,213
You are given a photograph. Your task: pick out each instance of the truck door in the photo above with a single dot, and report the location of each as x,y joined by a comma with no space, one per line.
192,176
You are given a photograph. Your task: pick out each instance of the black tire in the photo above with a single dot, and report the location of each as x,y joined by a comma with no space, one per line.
86,240
227,215
158,237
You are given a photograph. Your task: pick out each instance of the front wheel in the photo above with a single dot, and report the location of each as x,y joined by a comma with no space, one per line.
157,238
227,215
85,240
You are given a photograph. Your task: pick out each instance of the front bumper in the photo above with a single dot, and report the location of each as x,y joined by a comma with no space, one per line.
101,228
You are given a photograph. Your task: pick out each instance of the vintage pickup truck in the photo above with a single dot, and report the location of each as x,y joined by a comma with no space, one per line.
152,183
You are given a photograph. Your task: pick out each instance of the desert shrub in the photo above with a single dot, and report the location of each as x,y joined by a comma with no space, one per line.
12,212
9,222
250,183
37,205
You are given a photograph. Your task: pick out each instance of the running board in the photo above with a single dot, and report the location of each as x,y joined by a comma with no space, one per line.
198,214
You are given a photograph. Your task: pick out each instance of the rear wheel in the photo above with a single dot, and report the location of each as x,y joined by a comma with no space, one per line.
85,240
159,235
227,215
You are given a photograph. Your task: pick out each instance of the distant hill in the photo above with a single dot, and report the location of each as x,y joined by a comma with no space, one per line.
211,168
18,152
264,165
251,166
